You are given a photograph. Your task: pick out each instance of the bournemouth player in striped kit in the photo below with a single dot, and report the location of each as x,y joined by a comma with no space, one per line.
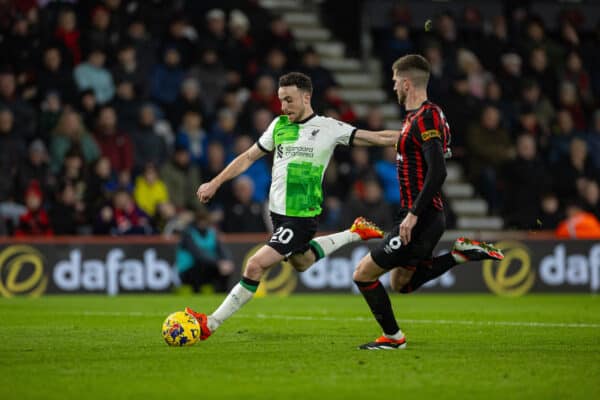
422,144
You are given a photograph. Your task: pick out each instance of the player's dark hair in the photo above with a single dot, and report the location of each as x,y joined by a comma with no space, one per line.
298,79
416,65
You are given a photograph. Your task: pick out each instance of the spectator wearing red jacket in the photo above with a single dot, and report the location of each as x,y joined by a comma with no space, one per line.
114,144
35,221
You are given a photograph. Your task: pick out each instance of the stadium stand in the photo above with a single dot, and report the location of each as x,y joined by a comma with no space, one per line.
109,107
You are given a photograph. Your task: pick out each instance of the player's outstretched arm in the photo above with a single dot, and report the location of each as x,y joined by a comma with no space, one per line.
240,164
363,137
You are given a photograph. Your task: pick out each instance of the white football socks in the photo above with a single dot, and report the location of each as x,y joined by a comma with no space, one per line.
326,245
237,297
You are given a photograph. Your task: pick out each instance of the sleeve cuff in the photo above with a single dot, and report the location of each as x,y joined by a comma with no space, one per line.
351,140
260,146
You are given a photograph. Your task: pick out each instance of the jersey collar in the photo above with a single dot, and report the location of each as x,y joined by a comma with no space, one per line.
415,109
305,120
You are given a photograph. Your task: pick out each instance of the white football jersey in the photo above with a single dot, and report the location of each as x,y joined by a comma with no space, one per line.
301,154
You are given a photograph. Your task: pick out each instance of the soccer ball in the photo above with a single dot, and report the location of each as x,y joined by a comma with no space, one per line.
181,329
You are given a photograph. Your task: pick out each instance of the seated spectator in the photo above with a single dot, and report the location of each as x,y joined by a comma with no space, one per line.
568,99
275,64
494,97
92,74
145,45
70,132
192,136
69,35
55,76
259,172
510,75
211,76
224,130
51,109
74,172
387,174
477,77
215,36
357,170
322,78
461,108
261,120
23,113
525,180
149,190
532,96
589,192
129,69
35,221
572,169
551,213
201,258
542,72
280,36
35,168
12,151
166,78
190,98
441,71
398,43
63,213
183,36
215,163
489,147
182,179
100,32
150,146
368,203
87,106
240,51
244,214
527,123
575,73
333,99
127,105
101,185
557,145
579,224
124,218
334,192
114,144
264,95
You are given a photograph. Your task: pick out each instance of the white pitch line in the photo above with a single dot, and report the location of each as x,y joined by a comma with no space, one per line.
528,324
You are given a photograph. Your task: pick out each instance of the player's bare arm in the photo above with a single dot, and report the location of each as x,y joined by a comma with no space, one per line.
240,164
363,137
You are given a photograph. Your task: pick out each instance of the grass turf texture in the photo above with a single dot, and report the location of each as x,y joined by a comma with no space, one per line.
92,347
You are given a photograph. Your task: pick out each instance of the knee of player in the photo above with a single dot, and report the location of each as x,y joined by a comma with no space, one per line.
300,264
254,266
396,286
361,273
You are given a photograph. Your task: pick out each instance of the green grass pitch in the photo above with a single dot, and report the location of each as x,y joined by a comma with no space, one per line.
302,347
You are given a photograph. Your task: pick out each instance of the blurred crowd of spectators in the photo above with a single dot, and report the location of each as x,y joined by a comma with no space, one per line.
522,101
112,112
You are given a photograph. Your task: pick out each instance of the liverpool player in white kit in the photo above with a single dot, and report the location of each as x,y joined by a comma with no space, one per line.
303,144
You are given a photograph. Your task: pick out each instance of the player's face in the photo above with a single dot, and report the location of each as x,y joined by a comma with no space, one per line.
400,87
293,102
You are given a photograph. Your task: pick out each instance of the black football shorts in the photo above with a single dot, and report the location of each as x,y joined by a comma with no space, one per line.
390,253
292,234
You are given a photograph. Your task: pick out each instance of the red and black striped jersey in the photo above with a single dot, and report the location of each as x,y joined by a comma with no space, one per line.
420,128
